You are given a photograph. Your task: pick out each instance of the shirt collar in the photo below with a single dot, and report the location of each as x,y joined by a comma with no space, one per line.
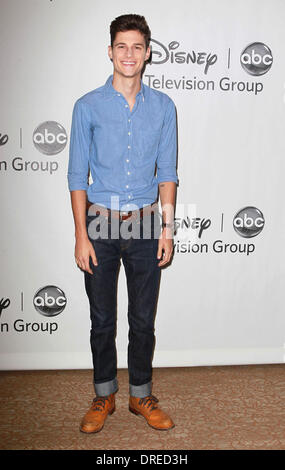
109,89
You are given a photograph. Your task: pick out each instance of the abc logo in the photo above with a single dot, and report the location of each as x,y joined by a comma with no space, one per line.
50,138
256,58
49,301
248,222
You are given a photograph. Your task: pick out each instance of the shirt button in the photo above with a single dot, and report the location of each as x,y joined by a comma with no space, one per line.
118,94
127,185
129,196
129,133
129,120
126,106
129,146
127,160
128,172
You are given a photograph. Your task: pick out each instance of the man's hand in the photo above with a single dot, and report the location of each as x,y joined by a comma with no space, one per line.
83,250
167,192
83,246
165,243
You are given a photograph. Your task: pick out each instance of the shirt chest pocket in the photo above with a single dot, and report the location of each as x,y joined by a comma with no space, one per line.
148,144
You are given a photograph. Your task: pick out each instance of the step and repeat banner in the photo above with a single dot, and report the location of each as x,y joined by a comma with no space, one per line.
222,62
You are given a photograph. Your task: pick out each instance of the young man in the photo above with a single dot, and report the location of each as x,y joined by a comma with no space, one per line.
122,131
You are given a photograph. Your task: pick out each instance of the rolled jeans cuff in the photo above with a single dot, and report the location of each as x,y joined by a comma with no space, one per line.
106,388
140,391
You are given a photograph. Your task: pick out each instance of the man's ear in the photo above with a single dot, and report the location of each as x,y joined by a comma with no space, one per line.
148,52
110,53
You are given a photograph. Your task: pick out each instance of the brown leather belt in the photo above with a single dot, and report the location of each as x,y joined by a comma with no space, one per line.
122,215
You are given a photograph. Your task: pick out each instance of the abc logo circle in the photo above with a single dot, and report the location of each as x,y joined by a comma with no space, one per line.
256,58
49,301
248,222
50,138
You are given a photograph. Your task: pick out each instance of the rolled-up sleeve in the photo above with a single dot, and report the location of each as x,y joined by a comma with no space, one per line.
167,152
80,139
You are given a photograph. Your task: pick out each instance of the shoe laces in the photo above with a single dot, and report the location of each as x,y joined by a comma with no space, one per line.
99,403
149,402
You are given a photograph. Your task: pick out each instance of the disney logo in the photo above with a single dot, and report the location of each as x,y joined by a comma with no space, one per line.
3,139
163,54
4,304
195,223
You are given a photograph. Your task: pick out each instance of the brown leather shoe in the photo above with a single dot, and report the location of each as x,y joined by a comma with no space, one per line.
94,419
146,407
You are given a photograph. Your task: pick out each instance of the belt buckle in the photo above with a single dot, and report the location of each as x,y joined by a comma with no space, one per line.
122,213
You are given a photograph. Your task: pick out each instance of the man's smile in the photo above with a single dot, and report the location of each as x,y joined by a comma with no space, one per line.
128,63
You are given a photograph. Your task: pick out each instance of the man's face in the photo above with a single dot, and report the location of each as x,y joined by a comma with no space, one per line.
128,53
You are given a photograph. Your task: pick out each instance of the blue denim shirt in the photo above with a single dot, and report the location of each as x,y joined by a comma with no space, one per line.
122,147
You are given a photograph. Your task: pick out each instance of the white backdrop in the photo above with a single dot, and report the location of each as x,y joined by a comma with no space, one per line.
221,300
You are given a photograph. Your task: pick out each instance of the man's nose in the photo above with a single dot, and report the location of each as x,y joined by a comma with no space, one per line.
129,52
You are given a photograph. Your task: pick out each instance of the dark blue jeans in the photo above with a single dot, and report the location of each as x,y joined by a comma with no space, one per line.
139,256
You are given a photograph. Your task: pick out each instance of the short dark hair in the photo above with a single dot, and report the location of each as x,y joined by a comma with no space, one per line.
130,22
